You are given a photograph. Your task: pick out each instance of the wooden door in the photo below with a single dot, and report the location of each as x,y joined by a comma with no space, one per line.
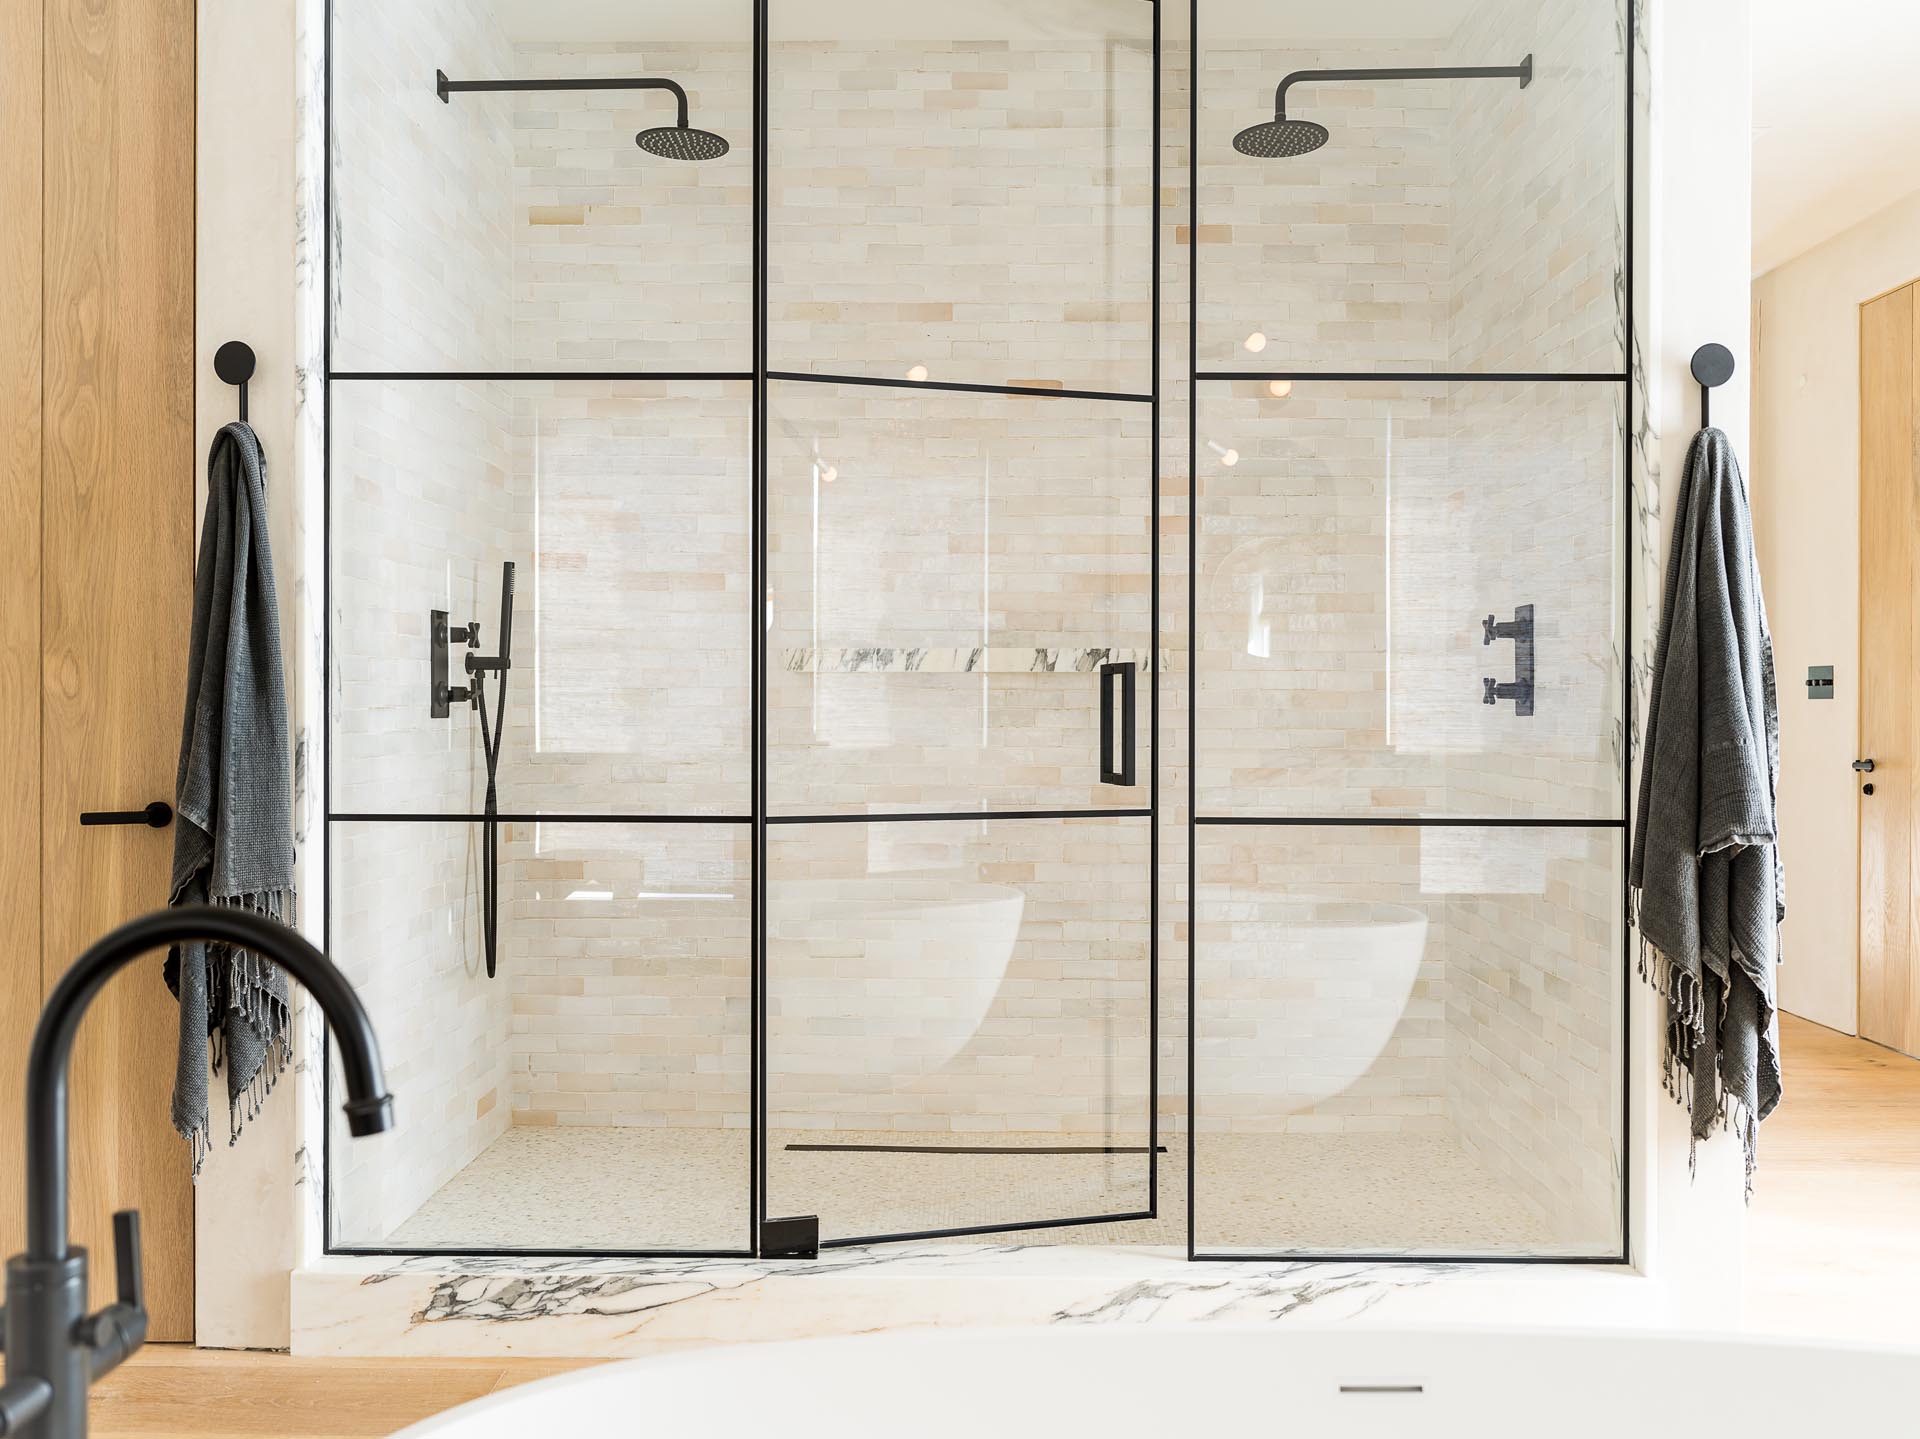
1889,514
96,369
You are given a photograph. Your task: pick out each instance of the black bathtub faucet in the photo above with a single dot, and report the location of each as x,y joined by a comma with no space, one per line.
54,1349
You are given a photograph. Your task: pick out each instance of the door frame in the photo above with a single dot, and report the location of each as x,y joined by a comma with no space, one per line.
1861,748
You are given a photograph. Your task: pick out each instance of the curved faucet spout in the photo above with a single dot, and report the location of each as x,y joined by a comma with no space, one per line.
369,1108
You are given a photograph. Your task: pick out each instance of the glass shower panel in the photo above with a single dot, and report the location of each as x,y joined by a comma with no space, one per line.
625,509
1443,224
595,1094
1407,1041
957,1023
948,575
1354,539
963,193
527,231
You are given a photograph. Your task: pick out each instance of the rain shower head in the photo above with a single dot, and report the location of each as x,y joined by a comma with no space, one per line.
678,141
1282,139
681,142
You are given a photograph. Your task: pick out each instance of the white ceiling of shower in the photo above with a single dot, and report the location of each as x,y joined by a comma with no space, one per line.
1307,21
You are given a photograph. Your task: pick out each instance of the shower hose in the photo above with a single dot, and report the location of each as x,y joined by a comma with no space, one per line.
490,813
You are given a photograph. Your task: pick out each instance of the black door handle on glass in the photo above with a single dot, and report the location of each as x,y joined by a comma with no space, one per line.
1122,772
157,815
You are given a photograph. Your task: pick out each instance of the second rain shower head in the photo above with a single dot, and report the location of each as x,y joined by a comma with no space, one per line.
681,142
1282,139
678,141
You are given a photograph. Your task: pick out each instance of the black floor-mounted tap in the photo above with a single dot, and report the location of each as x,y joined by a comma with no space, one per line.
54,1349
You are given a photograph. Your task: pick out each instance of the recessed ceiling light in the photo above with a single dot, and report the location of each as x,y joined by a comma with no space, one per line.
830,474
1279,389
1229,458
1255,343
917,373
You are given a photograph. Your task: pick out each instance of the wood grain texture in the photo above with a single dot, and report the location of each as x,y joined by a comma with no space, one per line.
19,584
1833,1246
117,515
173,1391
1889,994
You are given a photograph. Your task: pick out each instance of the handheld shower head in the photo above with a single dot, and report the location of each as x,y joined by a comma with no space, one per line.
681,142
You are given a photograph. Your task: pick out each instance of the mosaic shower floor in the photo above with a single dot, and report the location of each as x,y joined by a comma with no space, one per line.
624,1189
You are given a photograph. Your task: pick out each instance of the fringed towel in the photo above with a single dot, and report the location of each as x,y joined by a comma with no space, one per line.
1708,889
233,844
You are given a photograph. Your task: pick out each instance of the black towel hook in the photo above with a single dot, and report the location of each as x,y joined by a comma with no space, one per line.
1712,367
233,362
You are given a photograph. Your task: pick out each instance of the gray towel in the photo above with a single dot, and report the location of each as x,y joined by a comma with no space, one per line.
1708,888
233,843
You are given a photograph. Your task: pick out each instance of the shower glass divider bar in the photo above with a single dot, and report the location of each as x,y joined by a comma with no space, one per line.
759,611
809,377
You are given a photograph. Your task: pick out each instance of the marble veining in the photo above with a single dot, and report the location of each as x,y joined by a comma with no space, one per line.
452,1305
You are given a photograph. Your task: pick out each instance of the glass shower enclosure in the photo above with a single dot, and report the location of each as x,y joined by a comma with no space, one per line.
793,369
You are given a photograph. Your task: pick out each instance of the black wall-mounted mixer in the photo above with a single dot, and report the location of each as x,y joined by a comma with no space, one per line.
445,695
1520,630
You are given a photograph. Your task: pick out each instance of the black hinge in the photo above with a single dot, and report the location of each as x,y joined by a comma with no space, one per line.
797,1237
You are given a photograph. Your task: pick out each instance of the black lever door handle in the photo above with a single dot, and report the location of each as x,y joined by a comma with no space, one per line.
1121,773
157,815
1865,766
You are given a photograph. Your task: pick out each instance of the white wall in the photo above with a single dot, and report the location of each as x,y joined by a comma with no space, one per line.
1693,228
246,1218
1806,513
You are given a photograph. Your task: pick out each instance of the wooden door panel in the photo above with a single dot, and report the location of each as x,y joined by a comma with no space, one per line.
117,515
19,589
1887,718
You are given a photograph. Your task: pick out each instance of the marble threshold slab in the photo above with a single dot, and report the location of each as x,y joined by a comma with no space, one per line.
452,1306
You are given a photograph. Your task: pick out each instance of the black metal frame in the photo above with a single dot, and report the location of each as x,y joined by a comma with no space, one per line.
1195,821
760,376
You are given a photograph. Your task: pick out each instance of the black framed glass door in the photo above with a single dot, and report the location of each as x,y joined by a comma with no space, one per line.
960,707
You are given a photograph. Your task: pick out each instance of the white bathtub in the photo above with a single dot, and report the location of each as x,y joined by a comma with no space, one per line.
1319,985
1351,1383
914,961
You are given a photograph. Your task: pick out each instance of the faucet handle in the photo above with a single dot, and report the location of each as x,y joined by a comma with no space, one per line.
1487,625
1491,696
22,1402
130,1284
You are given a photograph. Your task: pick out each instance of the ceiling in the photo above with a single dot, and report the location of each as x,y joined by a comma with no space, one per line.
1836,118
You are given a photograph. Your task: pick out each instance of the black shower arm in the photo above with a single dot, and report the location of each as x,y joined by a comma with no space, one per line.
1523,72
444,87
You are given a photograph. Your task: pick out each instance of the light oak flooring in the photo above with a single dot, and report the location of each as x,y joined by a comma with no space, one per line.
1834,1246
1833,1237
